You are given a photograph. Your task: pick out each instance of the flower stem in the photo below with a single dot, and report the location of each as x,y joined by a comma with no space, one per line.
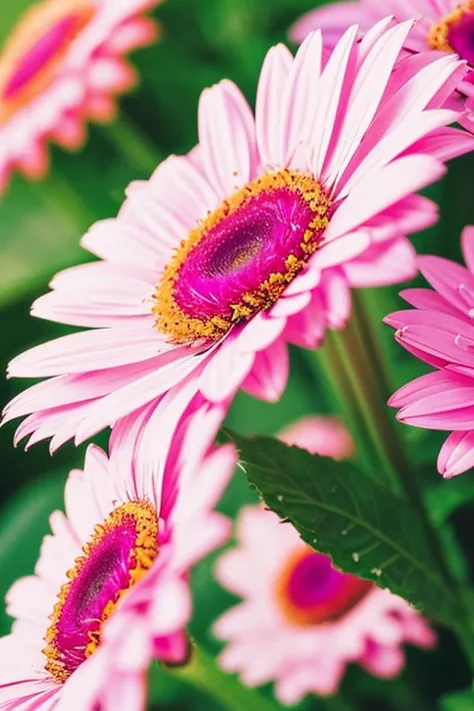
372,391
202,673
371,410
329,358
361,356
132,142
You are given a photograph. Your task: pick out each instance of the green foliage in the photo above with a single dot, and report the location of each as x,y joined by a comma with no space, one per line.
27,263
23,523
464,701
445,497
367,530
202,42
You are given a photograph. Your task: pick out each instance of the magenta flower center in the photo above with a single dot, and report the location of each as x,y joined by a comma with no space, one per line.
120,553
242,257
455,32
461,37
41,39
42,52
310,591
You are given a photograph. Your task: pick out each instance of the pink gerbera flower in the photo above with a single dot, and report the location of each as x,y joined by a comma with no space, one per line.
62,65
441,26
326,436
110,590
250,241
440,332
301,621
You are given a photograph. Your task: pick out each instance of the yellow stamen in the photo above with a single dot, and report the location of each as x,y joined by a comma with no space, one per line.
439,32
182,328
143,516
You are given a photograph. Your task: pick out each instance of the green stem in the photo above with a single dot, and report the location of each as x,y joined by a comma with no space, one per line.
371,410
202,673
363,318
373,394
135,144
329,359
361,357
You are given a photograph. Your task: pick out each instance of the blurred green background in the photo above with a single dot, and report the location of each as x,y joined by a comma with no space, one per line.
40,225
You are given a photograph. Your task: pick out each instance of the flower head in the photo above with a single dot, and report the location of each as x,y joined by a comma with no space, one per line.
62,65
326,436
111,587
301,622
440,332
250,241
446,26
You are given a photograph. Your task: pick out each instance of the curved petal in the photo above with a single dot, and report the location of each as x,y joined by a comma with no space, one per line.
467,244
273,76
333,19
457,454
269,375
227,137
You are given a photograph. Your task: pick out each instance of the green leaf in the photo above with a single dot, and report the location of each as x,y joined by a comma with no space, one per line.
462,701
367,530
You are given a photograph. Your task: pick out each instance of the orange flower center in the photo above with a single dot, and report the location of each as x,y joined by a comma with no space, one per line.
241,257
310,591
120,552
30,59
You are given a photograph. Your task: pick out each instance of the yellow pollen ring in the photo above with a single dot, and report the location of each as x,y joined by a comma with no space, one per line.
171,320
141,559
438,34
33,25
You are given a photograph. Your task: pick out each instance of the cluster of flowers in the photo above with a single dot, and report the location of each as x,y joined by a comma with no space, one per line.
250,242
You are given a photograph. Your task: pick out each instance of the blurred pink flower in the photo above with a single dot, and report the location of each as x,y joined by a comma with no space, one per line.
440,332
301,622
250,241
110,590
62,65
441,26
326,436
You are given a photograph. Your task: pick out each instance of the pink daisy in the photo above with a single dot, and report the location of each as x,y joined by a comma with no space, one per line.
301,622
250,241
110,590
440,332
441,26
326,436
62,65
